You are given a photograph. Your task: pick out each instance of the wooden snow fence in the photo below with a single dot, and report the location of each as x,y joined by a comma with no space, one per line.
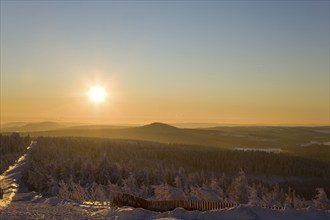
123,199
188,205
272,207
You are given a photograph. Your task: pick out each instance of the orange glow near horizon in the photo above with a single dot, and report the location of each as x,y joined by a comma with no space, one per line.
109,62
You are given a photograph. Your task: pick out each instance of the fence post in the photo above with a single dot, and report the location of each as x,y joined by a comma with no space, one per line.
1,193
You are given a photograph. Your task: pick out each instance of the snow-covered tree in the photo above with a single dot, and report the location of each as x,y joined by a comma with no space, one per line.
300,202
78,193
275,197
162,192
144,191
321,200
224,184
103,171
64,192
215,187
112,189
130,185
52,184
178,182
96,192
72,191
255,198
290,198
239,191
214,184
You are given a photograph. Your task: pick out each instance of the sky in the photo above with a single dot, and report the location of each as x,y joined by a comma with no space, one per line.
237,62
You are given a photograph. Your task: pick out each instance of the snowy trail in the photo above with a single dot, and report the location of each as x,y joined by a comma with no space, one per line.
36,210
19,203
10,180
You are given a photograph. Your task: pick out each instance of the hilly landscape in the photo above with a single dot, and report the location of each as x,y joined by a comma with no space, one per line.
310,142
165,110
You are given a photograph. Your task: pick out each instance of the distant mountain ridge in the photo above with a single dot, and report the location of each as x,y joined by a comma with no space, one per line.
37,126
12,124
159,126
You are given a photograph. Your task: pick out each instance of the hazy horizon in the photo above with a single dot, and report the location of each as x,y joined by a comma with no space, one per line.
175,124
221,62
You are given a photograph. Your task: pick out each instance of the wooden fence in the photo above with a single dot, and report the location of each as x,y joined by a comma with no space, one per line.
188,205
124,199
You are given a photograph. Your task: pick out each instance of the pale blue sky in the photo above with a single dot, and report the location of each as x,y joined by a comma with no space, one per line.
254,56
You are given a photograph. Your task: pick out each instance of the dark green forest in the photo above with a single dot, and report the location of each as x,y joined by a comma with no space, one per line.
308,142
145,164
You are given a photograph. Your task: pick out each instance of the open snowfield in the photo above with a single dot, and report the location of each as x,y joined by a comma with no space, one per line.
54,209
19,203
240,212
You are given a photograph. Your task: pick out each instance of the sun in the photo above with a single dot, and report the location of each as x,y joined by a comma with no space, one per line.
97,94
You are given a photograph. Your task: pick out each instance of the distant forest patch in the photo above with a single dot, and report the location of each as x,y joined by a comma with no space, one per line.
288,140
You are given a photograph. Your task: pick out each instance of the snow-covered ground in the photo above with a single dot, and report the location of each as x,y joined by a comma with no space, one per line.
19,203
268,150
24,207
10,180
55,209
312,143
240,212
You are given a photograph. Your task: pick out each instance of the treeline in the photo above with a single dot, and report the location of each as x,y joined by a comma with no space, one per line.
92,168
11,148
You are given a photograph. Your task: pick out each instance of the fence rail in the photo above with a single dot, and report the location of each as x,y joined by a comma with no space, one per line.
122,199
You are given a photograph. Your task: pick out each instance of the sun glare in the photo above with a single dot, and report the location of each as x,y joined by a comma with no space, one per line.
97,94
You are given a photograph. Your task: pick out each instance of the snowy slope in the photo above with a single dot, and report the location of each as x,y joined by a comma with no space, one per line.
240,212
42,210
10,180
19,203
45,209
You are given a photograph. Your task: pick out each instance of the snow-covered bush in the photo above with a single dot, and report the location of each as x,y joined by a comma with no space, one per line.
321,199
239,189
